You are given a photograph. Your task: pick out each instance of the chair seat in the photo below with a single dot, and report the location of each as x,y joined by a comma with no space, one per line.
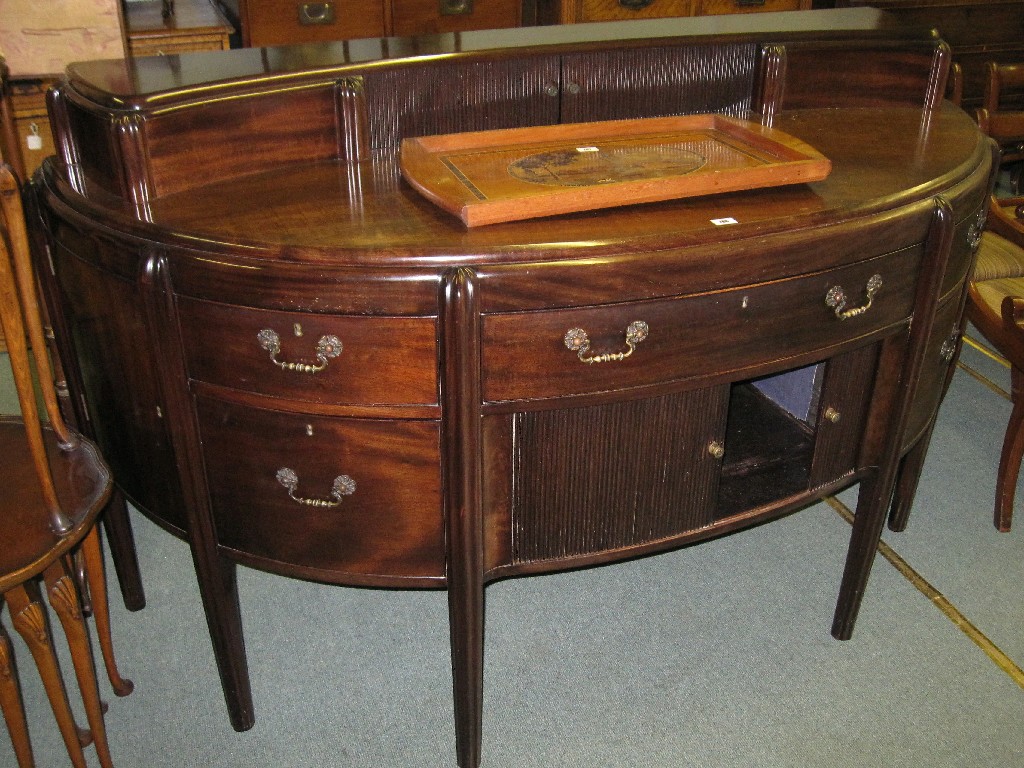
83,485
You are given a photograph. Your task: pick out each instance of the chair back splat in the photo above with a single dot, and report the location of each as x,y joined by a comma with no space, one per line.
19,312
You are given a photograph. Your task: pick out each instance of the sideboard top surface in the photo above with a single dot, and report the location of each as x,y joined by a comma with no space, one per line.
153,81
315,211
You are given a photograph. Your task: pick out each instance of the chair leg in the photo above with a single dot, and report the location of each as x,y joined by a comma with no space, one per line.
10,701
97,580
63,596
1010,458
29,618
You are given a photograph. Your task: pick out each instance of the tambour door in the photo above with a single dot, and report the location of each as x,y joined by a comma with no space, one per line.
607,477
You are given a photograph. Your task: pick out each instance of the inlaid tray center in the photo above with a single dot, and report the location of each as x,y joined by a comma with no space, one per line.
602,164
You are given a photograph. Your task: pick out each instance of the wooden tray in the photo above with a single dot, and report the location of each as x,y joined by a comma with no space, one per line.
485,177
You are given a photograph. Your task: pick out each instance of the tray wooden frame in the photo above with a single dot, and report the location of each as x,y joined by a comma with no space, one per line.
428,164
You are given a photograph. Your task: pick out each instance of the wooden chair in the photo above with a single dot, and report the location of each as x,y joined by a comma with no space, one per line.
996,307
54,485
1002,115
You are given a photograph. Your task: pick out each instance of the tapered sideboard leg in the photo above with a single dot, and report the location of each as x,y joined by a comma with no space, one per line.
466,614
219,589
118,528
461,426
867,529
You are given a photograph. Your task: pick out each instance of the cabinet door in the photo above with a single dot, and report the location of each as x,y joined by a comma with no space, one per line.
607,477
106,320
938,357
656,82
845,395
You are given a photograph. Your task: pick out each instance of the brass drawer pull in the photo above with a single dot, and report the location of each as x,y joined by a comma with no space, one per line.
577,340
836,299
455,7
343,486
327,348
312,14
948,348
977,228
716,449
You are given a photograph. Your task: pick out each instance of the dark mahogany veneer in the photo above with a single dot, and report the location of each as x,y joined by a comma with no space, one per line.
203,206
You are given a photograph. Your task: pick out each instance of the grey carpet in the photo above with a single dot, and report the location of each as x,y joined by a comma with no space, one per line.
718,655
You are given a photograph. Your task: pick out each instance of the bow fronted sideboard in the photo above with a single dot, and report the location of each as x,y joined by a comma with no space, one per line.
296,362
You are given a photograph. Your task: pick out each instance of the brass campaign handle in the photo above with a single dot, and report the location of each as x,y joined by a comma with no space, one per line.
836,299
343,486
577,340
327,348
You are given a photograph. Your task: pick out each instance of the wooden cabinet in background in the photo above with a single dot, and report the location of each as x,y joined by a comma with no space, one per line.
196,25
574,11
283,22
32,139
978,31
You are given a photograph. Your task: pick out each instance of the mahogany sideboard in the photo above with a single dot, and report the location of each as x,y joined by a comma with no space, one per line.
297,363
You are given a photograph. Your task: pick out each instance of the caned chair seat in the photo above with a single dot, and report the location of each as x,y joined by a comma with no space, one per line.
996,308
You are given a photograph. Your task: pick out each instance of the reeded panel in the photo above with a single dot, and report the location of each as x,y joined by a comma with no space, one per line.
593,479
454,97
657,82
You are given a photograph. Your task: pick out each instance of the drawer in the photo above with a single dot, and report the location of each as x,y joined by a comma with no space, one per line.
719,7
386,523
382,360
613,10
943,343
282,22
526,355
419,17
171,44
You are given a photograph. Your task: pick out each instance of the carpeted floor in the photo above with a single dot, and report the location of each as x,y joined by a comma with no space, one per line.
715,656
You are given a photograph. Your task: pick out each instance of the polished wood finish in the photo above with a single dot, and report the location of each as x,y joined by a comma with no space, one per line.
475,443
55,486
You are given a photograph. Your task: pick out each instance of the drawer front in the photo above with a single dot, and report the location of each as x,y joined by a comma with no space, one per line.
172,44
418,17
527,355
386,522
614,10
282,22
719,7
319,358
